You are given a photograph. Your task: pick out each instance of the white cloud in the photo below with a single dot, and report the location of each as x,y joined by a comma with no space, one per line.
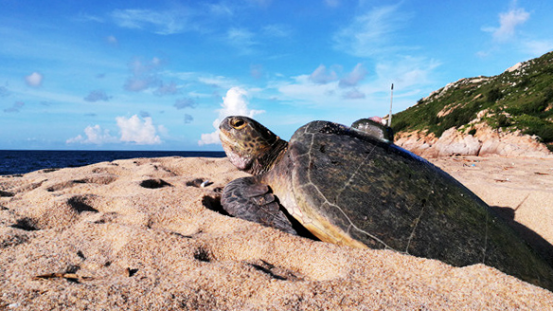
143,76
371,33
242,39
160,22
322,88
111,40
356,75
322,76
217,81
89,18
134,130
34,79
508,22
274,30
94,135
209,139
507,34
305,91
235,102
358,90
332,3
482,54
240,35
536,47
178,18
245,41
220,9
406,72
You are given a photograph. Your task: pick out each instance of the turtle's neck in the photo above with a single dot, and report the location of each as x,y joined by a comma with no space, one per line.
266,161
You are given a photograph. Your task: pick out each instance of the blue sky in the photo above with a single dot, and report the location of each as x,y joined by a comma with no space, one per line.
159,75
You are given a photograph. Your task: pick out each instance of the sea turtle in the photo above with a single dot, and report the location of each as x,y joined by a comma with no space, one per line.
348,187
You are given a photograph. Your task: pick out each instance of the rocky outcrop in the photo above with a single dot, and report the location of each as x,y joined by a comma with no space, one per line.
485,141
484,115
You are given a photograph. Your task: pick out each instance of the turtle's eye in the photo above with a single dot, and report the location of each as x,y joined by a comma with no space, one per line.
237,124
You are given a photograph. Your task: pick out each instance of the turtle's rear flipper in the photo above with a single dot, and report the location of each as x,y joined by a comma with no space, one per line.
253,201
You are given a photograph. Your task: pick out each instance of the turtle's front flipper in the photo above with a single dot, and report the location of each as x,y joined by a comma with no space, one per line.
248,199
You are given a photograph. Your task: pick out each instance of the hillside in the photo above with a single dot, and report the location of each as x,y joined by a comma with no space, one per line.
515,105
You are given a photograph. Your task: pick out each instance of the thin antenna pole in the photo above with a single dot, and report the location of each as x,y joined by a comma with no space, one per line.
389,121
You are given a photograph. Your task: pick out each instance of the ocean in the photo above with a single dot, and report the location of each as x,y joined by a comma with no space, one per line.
25,161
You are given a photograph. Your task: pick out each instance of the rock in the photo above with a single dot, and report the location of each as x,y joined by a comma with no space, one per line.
485,142
514,67
453,142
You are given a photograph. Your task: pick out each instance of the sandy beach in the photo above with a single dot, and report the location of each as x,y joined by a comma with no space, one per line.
142,234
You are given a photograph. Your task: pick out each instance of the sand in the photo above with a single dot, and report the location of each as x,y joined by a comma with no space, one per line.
142,234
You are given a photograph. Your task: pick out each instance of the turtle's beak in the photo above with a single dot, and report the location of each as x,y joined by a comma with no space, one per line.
233,138
225,134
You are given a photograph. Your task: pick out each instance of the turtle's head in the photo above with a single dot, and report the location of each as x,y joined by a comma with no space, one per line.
250,146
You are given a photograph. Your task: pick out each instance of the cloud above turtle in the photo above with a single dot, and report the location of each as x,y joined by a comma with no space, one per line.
235,102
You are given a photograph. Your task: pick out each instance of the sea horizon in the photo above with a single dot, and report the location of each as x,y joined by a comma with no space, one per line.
14,162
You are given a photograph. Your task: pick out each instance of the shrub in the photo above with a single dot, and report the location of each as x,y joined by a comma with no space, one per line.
503,120
542,130
493,95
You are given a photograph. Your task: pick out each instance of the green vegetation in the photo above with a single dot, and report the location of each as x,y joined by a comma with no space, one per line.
517,100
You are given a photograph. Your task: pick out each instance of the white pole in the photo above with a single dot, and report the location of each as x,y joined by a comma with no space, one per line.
389,121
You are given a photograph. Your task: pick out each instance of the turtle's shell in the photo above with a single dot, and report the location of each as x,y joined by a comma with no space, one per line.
348,188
